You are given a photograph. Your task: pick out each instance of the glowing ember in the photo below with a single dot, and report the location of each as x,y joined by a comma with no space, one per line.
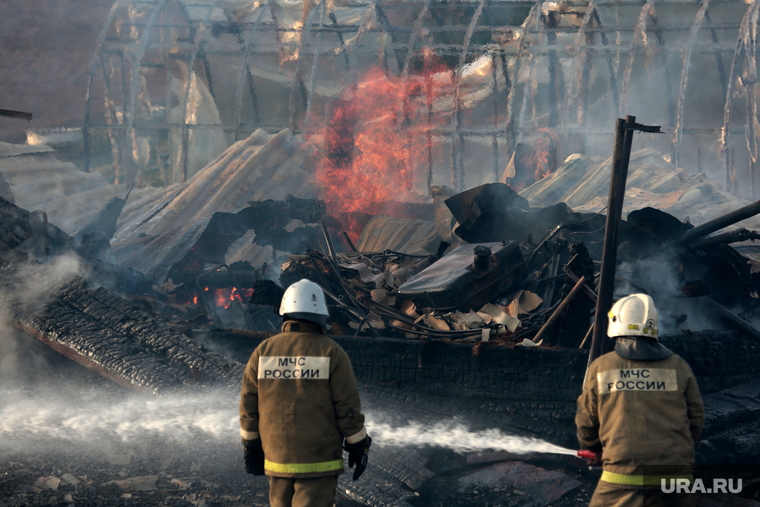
223,298
377,139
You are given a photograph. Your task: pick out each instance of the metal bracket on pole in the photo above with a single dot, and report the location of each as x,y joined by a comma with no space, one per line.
651,129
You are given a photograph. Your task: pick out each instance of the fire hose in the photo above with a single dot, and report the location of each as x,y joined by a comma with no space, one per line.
591,456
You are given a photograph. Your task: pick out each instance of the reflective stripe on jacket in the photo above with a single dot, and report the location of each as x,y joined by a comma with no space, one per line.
640,413
300,396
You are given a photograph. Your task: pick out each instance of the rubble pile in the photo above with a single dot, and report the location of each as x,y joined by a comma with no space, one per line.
479,292
65,307
518,267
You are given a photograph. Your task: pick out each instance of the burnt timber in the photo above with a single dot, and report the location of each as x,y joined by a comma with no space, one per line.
104,332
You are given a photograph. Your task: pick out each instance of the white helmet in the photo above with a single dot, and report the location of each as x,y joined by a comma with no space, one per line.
305,300
634,315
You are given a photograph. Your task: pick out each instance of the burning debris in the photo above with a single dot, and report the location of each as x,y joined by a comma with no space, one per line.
505,267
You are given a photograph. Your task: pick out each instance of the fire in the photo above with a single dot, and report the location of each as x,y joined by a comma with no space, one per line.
224,297
543,160
534,160
377,137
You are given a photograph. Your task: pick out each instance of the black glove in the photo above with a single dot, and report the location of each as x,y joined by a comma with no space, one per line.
357,455
253,456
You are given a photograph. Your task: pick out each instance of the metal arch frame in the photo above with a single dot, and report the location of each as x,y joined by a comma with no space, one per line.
510,121
641,27
404,73
298,77
416,30
538,31
363,29
455,131
456,136
312,80
685,80
197,45
583,70
90,79
246,54
752,11
130,112
582,65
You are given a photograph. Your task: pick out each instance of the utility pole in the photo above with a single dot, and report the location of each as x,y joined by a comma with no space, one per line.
621,157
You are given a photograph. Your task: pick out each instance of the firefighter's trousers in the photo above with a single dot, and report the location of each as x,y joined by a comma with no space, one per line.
313,492
611,495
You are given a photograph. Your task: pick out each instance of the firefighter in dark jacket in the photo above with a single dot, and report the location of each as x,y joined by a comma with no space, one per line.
640,407
299,406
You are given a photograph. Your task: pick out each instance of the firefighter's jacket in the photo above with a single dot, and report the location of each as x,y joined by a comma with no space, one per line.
300,396
639,412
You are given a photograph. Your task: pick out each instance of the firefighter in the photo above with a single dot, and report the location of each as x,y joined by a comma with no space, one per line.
640,407
299,403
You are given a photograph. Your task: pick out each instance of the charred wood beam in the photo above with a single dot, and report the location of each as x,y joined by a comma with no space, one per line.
560,309
77,357
588,334
734,321
588,290
719,223
621,157
8,113
104,332
726,238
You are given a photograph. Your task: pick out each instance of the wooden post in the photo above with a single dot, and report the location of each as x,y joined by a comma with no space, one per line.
621,157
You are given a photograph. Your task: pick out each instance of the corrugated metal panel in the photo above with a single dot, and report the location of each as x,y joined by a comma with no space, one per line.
399,234
41,182
261,167
583,184
11,150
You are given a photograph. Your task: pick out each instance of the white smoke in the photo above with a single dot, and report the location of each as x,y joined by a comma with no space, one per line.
30,285
659,276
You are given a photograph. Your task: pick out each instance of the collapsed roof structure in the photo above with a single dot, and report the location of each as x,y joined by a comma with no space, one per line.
174,83
246,147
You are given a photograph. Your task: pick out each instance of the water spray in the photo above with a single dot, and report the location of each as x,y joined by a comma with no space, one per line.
457,437
135,420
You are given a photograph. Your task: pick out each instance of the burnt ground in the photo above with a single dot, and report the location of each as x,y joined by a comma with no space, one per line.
70,437
185,481
47,47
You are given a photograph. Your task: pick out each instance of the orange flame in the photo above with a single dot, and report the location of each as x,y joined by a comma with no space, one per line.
377,138
224,297
542,160
536,161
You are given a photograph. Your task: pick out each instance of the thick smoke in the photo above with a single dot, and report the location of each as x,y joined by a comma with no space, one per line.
658,276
